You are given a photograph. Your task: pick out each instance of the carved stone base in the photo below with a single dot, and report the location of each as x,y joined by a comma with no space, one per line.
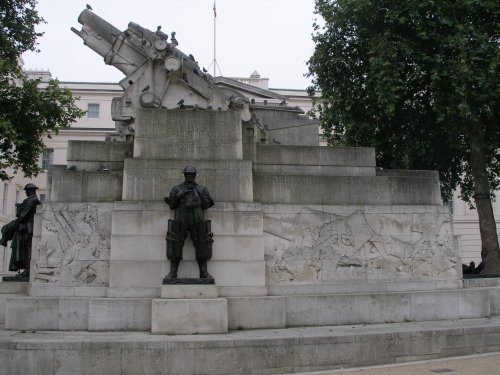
179,291
188,281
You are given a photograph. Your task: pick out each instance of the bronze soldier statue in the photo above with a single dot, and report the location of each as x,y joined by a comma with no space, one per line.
20,232
189,200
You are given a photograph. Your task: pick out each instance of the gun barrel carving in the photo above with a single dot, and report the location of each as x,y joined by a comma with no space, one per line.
157,73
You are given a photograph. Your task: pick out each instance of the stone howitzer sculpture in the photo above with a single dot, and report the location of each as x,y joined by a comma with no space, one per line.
158,74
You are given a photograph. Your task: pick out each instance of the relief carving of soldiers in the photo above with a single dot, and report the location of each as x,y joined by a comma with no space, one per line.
189,200
20,232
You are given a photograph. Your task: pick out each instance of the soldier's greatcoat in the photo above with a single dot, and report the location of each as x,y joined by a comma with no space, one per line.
189,218
21,242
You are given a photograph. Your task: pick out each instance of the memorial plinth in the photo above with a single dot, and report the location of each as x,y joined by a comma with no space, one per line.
303,235
289,223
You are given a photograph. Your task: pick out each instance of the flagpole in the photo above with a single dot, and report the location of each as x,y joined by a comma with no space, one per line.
215,37
214,61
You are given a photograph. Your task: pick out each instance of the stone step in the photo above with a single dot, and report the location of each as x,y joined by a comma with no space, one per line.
492,284
482,282
346,190
272,351
3,303
84,186
309,158
13,287
10,289
98,152
356,308
495,301
101,314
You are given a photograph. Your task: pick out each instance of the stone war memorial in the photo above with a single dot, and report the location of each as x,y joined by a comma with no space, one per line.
319,260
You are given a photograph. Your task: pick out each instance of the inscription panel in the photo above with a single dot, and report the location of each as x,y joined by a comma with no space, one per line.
154,184
227,180
194,134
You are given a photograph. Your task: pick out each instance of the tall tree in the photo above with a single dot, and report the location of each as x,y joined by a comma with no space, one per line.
27,113
419,81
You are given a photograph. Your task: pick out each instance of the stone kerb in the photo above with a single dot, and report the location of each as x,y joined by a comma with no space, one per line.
178,134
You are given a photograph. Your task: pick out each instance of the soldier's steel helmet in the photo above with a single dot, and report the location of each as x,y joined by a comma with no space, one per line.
189,169
30,186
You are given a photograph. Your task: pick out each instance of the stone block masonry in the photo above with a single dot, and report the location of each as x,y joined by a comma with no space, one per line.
303,235
244,352
175,134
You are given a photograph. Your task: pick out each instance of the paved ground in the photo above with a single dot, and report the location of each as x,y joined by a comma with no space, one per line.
488,364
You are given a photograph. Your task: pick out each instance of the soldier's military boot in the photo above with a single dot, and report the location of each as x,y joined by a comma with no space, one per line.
202,265
174,266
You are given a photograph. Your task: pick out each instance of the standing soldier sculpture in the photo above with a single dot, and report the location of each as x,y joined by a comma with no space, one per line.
189,200
20,231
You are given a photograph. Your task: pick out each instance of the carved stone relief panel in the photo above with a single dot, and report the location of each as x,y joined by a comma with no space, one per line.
75,245
321,246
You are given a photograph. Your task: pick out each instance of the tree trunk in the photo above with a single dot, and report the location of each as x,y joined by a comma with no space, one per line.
490,251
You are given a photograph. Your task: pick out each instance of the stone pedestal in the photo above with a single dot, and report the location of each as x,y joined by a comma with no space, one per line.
189,291
189,309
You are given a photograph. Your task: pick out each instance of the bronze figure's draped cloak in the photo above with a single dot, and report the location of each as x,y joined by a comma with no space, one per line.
21,241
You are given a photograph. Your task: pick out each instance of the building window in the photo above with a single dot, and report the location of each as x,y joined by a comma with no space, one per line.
92,110
448,202
18,194
42,198
5,196
47,158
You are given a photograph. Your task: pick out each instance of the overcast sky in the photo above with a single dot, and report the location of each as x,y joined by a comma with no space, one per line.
270,36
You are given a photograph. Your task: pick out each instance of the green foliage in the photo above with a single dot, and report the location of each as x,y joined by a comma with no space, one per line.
418,80
18,19
27,113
